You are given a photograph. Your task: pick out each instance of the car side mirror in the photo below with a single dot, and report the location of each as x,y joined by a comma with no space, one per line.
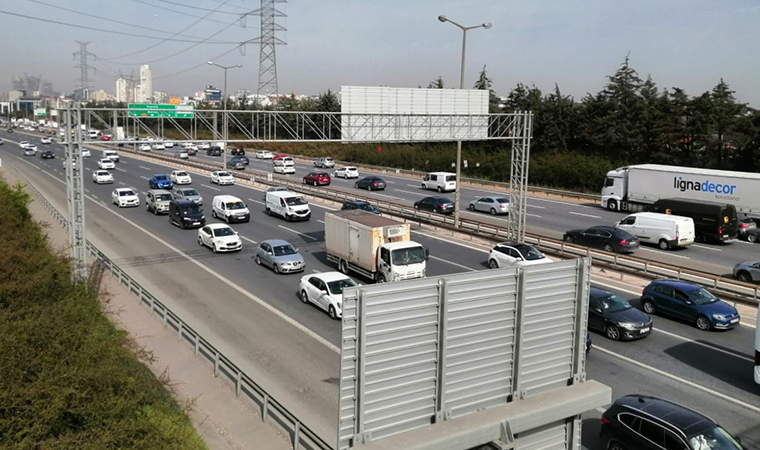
236,232
688,302
598,310
324,292
617,223
269,253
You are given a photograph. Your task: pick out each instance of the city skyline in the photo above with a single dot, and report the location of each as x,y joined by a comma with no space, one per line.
691,45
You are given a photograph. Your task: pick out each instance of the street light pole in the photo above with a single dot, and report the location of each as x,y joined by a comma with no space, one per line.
224,107
464,29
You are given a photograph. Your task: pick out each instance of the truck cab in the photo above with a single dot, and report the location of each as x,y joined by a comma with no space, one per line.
397,261
613,192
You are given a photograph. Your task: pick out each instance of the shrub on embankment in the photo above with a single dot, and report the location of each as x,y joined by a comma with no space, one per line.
67,377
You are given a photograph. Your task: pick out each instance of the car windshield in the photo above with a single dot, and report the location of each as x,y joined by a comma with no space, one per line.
160,177
283,250
702,297
715,439
102,173
125,193
191,209
235,205
404,256
163,197
295,201
366,207
336,287
107,161
190,192
225,231
351,169
181,174
530,253
224,174
613,303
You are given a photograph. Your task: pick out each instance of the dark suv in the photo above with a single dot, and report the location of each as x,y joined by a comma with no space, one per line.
637,422
237,151
690,302
214,151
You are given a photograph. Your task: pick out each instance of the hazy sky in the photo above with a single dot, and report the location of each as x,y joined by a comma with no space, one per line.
686,43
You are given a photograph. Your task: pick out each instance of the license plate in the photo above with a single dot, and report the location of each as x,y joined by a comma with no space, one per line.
734,320
725,236
196,223
644,330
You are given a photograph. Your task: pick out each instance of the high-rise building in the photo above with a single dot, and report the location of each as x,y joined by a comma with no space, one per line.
146,84
123,91
160,96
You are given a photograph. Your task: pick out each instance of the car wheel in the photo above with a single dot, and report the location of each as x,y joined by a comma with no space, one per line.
213,214
744,276
276,268
304,296
213,248
304,181
440,190
331,312
615,446
612,332
200,241
493,212
369,187
703,323
649,307
356,185
568,239
268,211
471,207
492,264
287,217
417,207
609,248
612,205
257,260
752,238
315,184
664,245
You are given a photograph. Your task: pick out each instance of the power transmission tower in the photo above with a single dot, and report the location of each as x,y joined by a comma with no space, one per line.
84,68
268,41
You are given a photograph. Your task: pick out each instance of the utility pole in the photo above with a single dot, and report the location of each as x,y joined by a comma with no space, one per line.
75,193
226,114
268,40
84,69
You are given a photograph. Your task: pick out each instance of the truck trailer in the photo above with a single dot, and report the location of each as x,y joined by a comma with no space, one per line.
376,247
633,188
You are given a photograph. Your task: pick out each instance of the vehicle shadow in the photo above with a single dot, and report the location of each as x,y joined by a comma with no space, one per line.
733,368
171,257
590,434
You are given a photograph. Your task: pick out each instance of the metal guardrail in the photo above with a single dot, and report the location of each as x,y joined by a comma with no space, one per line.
271,409
748,293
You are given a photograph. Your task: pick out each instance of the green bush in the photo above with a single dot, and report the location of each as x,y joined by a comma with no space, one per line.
67,378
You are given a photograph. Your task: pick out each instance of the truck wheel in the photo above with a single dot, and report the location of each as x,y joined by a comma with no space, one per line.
343,266
381,278
612,205
664,245
268,211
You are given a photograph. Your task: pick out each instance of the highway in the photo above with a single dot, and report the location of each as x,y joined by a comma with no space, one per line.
290,348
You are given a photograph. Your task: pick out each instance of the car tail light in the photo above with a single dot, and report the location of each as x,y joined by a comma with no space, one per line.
720,230
604,420
374,183
623,242
643,291
744,225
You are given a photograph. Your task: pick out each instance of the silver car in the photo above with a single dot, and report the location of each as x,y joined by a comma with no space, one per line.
747,271
280,256
187,193
491,204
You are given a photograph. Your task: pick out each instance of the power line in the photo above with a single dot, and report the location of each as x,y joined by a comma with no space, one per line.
199,65
176,12
107,19
198,7
83,27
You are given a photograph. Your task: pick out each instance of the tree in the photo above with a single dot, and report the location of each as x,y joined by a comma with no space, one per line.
725,115
436,84
328,102
557,121
485,84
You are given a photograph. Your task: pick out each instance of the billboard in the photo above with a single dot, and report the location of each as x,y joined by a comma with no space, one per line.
370,113
437,349
40,112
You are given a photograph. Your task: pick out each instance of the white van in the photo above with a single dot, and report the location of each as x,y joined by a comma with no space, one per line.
285,165
440,181
93,134
288,205
665,230
111,154
230,209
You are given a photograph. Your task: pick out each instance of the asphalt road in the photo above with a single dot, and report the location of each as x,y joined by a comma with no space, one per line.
257,319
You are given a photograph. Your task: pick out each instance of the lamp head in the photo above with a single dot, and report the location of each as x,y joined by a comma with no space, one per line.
210,63
487,25
442,18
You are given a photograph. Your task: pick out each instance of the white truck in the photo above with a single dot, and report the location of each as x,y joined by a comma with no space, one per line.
632,188
374,246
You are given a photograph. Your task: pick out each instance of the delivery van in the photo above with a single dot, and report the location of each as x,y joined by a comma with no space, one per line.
664,230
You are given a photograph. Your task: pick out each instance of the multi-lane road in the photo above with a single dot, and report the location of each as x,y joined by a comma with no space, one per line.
255,317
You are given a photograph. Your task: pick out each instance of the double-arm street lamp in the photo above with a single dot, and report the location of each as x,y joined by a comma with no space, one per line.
461,86
224,134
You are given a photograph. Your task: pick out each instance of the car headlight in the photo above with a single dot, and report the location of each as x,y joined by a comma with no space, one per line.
720,316
627,326
203,217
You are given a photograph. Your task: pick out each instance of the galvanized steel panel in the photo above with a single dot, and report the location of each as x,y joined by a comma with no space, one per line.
548,437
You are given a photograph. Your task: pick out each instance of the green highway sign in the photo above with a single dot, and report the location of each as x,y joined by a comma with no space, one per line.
160,110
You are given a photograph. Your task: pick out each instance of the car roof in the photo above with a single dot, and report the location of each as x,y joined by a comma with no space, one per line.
441,199
215,226
356,202
330,276
599,293
687,420
227,198
183,202
276,242
683,285
158,191
124,189
158,175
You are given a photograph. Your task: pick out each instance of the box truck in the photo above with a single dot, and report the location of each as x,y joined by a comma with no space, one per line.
633,188
374,246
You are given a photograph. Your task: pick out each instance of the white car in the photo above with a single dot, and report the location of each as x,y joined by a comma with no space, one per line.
346,172
326,291
46,140
180,177
264,154
219,237
205,146
189,146
158,146
106,163
102,177
169,144
31,147
122,197
23,144
222,177
145,147
86,153
512,254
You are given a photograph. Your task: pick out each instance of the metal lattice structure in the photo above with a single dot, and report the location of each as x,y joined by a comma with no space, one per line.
84,68
268,40
518,177
75,193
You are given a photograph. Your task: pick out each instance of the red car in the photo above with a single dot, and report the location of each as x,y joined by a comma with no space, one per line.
317,179
278,156
105,137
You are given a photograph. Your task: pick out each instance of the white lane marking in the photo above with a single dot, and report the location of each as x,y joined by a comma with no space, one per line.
535,206
315,271
144,178
121,170
257,201
576,205
415,185
87,190
533,215
702,344
321,221
386,195
707,248
224,279
122,183
249,240
453,263
33,165
211,187
52,176
680,380
143,167
413,193
584,215
663,253
297,232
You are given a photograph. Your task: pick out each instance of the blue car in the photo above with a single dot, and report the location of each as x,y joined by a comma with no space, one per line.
689,302
160,182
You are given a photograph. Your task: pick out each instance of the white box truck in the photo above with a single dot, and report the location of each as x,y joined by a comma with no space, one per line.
632,188
374,246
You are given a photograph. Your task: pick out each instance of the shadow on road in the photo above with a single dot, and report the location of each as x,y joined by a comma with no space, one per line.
731,368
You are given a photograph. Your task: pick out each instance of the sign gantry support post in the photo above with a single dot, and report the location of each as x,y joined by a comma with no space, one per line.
75,194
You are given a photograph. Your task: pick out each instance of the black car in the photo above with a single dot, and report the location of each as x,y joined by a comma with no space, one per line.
192,151
615,317
359,204
610,239
371,184
752,235
214,150
47,154
238,151
440,205
588,343
236,164
637,422
241,158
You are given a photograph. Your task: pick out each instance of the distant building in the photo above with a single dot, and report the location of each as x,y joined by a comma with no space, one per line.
160,96
15,95
125,90
101,96
212,94
145,93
